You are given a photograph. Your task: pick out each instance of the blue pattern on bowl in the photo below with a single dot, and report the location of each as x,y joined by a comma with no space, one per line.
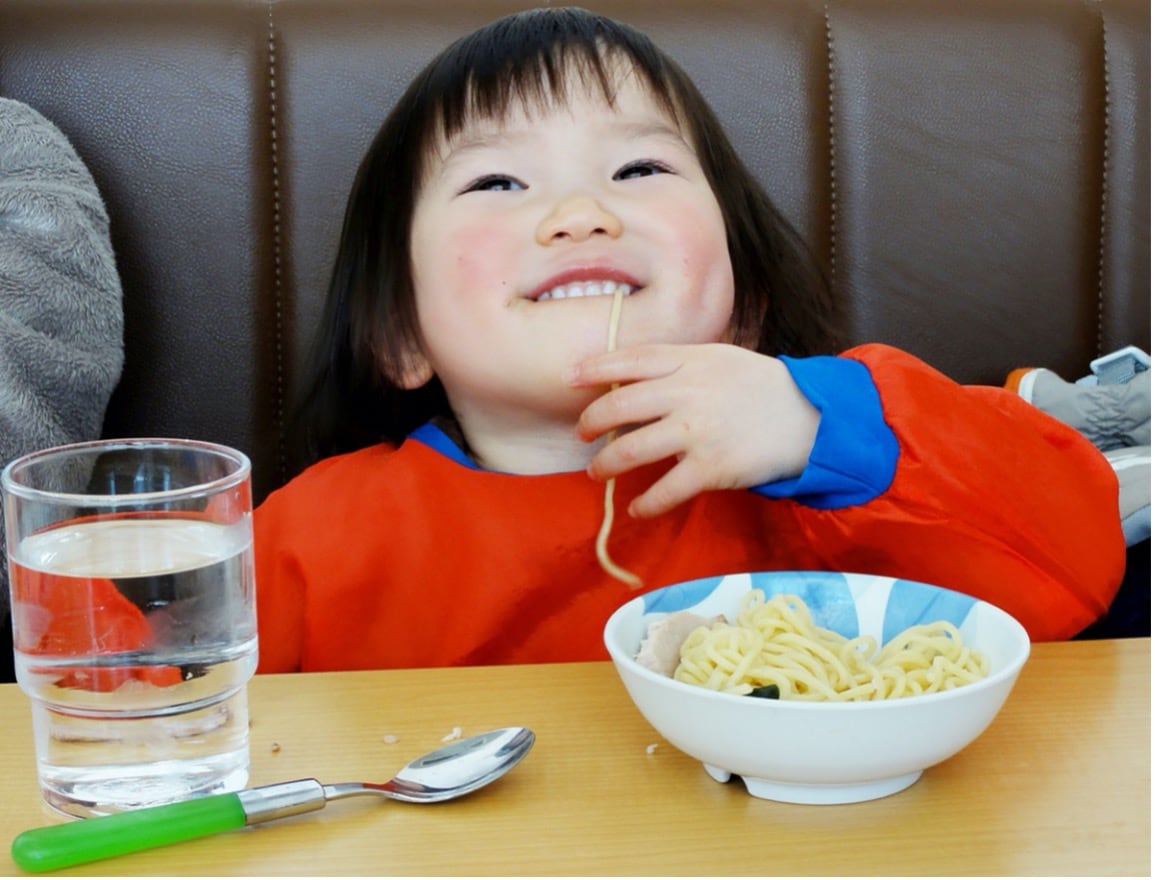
681,596
912,602
845,603
826,593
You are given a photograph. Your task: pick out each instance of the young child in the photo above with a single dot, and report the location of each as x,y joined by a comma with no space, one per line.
468,414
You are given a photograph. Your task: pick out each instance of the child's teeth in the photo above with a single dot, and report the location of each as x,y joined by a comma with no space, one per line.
586,288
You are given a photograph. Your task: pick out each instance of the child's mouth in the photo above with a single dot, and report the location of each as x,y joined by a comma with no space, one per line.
578,289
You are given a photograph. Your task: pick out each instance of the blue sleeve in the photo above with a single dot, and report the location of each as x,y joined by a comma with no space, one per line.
855,452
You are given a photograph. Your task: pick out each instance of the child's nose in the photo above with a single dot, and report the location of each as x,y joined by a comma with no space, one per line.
577,218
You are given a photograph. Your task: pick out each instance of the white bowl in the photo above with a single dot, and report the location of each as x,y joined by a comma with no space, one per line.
820,752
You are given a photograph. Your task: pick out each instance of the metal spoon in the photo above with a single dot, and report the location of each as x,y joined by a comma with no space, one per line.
449,772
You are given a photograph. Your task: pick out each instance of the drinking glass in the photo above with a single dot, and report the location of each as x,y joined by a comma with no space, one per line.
133,618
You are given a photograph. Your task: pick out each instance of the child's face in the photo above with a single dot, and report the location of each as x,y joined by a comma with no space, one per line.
516,215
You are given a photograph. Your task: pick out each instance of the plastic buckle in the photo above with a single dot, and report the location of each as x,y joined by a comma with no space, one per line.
1118,367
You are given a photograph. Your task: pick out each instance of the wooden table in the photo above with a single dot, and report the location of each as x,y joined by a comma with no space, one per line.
1058,785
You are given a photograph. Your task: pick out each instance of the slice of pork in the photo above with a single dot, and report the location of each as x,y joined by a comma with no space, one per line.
661,648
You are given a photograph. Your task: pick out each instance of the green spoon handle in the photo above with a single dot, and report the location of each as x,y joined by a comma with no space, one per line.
74,843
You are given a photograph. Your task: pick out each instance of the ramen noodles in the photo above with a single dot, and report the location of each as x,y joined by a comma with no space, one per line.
774,648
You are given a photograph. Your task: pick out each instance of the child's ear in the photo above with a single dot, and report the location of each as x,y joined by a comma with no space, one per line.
411,373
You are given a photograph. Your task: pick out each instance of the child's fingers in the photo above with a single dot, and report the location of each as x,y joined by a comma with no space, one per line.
678,485
644,445
635,404
626,365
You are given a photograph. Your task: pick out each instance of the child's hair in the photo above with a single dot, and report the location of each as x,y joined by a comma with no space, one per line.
369,327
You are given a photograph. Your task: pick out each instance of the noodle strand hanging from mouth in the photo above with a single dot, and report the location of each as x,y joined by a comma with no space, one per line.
611,567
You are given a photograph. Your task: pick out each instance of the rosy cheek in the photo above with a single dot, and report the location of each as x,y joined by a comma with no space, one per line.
706,267
481,254
704,258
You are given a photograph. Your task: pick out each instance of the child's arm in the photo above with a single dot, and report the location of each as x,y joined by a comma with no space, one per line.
990,496
982,492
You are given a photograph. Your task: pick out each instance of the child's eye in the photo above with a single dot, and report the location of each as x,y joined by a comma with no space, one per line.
643,168
494,183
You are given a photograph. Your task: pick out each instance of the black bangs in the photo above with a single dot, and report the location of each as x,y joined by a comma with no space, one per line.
530,59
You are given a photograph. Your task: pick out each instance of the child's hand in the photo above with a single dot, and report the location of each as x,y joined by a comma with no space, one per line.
733,419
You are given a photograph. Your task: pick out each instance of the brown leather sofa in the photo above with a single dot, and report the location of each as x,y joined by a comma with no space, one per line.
975,174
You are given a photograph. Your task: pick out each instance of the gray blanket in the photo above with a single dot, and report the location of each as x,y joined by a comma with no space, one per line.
61,318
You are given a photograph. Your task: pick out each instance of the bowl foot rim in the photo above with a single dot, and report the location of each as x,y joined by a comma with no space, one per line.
818,793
